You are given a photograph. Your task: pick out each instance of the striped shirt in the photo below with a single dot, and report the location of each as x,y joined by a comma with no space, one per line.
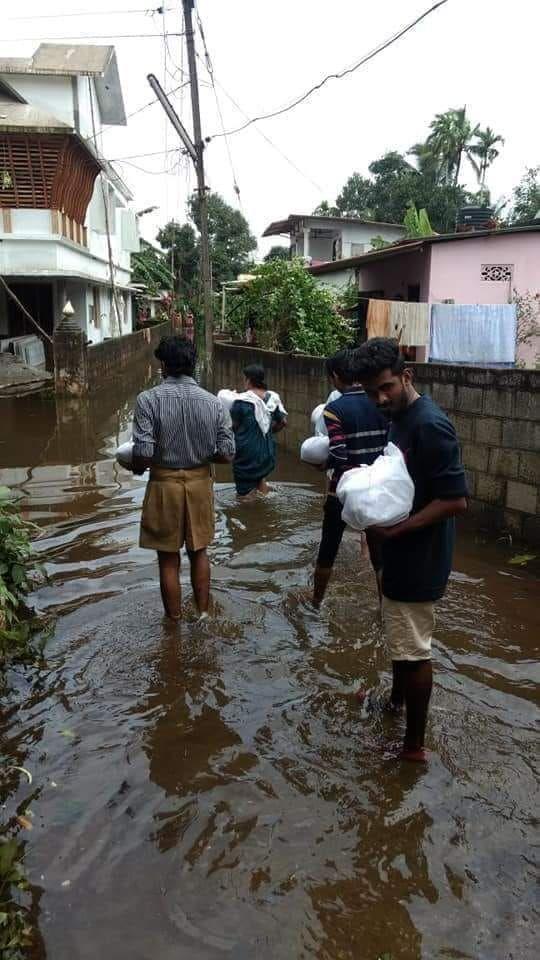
180,426
357,433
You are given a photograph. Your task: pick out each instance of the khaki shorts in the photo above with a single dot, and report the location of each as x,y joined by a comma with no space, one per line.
408,628
178,508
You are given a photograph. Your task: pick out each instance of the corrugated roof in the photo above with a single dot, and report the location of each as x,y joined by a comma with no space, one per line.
285,226
410,246
24,118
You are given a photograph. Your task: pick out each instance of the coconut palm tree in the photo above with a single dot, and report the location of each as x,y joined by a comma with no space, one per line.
450,139
485,149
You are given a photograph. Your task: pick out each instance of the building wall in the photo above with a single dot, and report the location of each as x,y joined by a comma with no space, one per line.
109,358
393,276
496,413
456,273
363,235
337,280
51,94
456,266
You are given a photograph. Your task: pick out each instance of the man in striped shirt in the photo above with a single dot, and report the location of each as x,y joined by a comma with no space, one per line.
357,434
179,430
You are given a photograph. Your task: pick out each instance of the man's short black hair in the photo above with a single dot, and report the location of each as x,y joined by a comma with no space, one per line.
178,355
254,372
340,366
376,355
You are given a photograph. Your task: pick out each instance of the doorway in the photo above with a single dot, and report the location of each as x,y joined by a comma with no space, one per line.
38,299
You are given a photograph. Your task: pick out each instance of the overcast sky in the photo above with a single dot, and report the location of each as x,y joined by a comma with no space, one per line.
482,53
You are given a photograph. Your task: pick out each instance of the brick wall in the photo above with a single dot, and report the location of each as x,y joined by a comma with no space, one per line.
496,413
111,357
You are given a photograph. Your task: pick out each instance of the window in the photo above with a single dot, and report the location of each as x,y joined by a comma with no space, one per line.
497,271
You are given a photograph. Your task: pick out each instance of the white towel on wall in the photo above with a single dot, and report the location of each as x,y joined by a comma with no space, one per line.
412,319
473,333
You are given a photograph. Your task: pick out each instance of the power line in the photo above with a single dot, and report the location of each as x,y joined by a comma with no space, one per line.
139,156
144,11
269,141
210,69
143,107
338,76
102,36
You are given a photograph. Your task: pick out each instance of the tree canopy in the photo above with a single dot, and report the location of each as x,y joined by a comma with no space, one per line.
526,197
427,176
277,252
230,239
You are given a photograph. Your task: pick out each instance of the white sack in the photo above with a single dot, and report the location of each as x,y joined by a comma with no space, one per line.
315,450
227,398
124,455
317,421
380,494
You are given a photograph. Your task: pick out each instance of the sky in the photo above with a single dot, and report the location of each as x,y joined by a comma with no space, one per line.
265,53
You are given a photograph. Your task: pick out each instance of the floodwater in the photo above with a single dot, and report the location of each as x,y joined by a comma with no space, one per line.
213,792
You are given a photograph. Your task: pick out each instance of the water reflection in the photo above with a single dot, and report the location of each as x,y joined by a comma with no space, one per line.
217,792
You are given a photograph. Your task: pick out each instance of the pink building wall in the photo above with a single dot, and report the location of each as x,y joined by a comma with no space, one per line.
456,266
456,273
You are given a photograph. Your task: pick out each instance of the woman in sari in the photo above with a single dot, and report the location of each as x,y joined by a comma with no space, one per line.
257,415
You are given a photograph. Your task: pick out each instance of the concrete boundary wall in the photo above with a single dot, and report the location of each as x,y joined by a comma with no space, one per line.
110,357
496,413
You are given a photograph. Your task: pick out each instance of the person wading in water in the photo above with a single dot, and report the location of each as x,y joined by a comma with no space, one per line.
417,553
257,415
357,435
179,430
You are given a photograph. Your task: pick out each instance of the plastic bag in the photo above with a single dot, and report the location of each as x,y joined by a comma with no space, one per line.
227,398
380,494
124,454
317,421
315,450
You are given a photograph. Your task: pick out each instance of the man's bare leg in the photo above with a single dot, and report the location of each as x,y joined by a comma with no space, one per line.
263,488
415,683
321,579
169,582
200,578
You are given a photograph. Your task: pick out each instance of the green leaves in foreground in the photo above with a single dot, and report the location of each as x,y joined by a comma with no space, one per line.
15,931
17,626
522,559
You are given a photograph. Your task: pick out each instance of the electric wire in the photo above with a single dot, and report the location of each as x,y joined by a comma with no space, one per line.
336,76
144,11
210,69
265,137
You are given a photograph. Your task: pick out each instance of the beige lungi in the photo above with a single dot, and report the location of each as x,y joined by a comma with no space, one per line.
178,509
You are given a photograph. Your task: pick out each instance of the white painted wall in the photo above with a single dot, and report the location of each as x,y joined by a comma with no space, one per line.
51,94
337,281
363,234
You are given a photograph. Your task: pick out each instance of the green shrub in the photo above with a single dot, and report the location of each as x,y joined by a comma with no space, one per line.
289,311
17,625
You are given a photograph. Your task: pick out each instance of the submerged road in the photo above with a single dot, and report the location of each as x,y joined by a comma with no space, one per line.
213,791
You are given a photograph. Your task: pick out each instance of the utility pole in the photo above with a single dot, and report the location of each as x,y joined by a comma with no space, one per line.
206,276
195,150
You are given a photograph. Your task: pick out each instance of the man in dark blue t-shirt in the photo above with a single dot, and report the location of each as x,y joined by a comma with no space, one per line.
417,553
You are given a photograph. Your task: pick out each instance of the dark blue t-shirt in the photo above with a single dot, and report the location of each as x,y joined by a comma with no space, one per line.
416,566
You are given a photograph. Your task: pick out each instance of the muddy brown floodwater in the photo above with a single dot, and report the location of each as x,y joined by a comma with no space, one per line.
208,792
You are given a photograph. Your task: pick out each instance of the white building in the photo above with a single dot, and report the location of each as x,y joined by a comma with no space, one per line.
320,239
65,220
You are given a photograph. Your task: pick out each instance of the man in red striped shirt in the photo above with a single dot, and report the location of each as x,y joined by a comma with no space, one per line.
357,434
